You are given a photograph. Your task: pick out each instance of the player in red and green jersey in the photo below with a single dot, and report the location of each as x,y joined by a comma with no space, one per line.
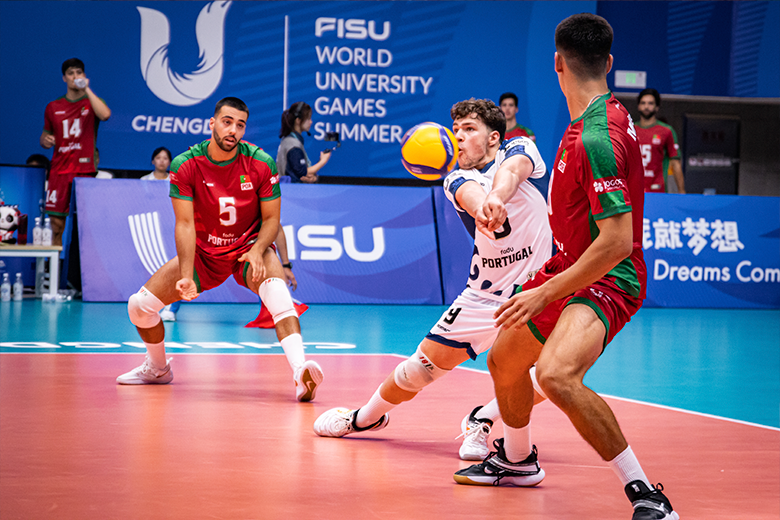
226,200
70,126
508,105
563,318
658,143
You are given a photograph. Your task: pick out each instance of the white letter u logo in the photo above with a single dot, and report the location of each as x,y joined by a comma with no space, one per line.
186,89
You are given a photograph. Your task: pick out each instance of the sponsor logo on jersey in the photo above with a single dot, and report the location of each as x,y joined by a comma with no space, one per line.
504,261
562,162
69,147
608,185
656,139
219,242
274,179
246,183
59,112
190,88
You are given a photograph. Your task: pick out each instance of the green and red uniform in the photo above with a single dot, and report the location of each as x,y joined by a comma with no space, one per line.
658,144
519,131
226,199
74,126
597,174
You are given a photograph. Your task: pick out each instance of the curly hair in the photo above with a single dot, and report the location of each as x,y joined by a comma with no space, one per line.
485,110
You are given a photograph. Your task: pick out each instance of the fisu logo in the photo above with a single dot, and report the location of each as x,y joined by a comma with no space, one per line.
183,90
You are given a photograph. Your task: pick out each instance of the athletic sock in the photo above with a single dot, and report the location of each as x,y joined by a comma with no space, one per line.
156,353
517,443
293,349
627,468
489,411
373,410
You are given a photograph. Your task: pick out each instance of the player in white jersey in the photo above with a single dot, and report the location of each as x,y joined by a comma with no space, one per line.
500,261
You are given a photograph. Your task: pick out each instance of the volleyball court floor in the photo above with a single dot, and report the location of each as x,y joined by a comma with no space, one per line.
696,393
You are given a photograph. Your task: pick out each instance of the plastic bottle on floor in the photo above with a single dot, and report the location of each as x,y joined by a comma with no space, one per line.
5,289
46,234
18,288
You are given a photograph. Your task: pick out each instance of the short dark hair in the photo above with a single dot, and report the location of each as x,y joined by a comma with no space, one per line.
486,111
507,95
39,160
157,151
298,110
585,40
650,92
232,102
72,62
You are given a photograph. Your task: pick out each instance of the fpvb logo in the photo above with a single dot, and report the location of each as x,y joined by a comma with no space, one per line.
183,89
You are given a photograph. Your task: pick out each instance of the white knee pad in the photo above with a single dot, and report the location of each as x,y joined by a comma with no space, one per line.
142,307
417,372
538,388
276,298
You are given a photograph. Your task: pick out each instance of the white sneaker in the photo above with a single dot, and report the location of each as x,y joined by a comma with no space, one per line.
167,314
475,433
307,379
147,374
338,422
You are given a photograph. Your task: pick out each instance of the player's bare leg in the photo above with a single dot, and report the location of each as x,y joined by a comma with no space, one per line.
515,461
143,308
275,296
430,361
57,228
572,348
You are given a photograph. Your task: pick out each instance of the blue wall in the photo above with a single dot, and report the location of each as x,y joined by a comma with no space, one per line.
447,50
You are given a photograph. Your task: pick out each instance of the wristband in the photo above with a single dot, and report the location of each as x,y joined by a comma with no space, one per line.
288,265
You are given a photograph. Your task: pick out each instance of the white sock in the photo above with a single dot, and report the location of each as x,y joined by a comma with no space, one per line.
517,442
373,410
293,349
156,352
627,468
489,411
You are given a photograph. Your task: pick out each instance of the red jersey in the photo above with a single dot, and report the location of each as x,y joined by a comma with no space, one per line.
226,196
519,131
658,144
598,174
74,126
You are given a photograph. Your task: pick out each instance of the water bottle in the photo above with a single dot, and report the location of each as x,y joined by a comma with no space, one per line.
80,82
18,288
37,232
46,234
5,289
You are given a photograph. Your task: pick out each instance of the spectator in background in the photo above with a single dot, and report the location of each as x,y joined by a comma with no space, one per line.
101,174
291,159
658,143
508,105
161,160
70,126
38,159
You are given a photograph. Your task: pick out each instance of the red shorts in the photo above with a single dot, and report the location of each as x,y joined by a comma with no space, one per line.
211,271
612,304
58,192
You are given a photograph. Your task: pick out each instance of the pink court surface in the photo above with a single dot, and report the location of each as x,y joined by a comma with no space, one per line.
228,440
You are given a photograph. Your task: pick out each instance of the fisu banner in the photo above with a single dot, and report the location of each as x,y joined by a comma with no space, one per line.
712,251
347,244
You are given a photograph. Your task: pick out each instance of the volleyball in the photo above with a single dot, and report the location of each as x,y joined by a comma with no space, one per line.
429,151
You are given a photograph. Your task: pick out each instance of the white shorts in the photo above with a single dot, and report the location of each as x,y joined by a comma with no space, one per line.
468,323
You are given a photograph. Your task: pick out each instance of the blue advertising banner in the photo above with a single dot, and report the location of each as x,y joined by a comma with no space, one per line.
718,252
370,70
348,244
455,247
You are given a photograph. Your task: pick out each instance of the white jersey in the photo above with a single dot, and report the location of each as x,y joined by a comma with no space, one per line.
524,243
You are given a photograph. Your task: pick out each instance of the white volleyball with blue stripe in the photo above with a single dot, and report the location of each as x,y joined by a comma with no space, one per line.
429,151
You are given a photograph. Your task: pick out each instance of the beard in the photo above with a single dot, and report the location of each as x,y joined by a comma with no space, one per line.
648,113
227,147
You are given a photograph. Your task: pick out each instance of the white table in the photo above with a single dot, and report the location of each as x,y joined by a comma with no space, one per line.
40,253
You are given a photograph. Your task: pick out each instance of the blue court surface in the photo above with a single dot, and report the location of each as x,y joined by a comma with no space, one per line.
724,363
